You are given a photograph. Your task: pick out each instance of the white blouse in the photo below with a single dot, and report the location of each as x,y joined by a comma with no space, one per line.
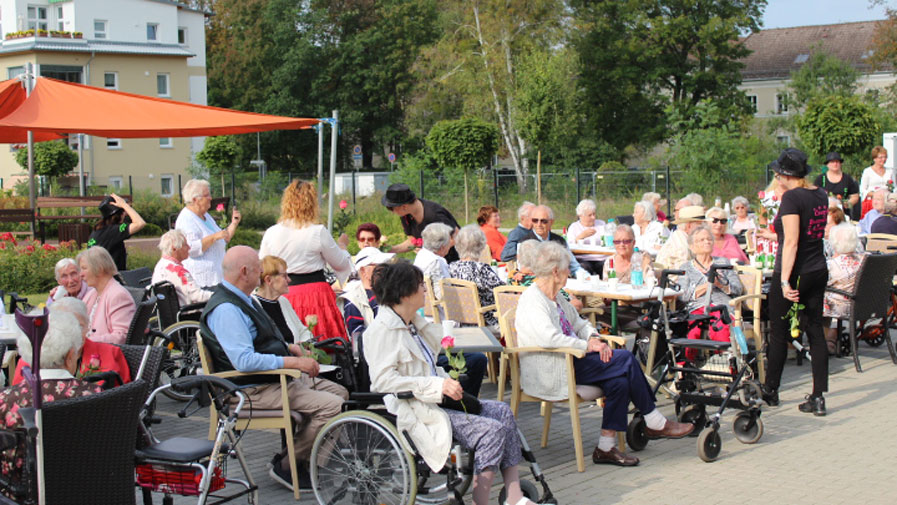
306,250
648,240
205,266
872,181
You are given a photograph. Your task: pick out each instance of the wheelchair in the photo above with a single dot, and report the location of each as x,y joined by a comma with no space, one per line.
723,375
360,457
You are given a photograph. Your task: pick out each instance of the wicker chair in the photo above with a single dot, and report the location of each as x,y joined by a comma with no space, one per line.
137,331
138,278
134,356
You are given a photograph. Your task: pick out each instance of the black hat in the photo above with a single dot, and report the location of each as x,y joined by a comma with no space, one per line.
833,156
792,162
398,194
108,209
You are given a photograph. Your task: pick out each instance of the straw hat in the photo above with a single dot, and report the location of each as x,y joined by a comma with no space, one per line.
690,214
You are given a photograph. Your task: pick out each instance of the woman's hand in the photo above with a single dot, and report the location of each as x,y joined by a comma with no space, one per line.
223,235
452,389
588,232
767,234
118,201
790,294
343,241
601,347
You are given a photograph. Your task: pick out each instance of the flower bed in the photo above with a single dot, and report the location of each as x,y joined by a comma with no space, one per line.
27,267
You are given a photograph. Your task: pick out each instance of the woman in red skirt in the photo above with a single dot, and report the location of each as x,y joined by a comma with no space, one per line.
308,247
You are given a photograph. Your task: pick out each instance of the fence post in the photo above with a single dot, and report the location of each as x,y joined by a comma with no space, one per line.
180,188
669,196
353,192
578,190
130,188
421,184
654,181
495,186
233,190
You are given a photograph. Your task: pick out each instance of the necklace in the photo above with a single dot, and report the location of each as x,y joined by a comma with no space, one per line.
701,266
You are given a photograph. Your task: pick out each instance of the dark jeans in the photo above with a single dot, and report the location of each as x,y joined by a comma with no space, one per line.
476,369
621,379
812,291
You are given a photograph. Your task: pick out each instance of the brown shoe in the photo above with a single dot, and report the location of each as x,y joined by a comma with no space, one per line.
671,429
613,457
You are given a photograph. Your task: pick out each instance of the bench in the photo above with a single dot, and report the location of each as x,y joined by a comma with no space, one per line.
222,200
18,216
70,231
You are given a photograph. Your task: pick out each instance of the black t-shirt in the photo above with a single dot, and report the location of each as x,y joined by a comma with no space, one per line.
844,188
433,213
273,309
112,238
885,224
812,207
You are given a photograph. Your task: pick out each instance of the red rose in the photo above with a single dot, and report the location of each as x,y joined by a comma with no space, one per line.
761,194
48,247
343,204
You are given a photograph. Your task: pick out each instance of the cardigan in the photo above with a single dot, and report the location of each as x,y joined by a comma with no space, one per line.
111,314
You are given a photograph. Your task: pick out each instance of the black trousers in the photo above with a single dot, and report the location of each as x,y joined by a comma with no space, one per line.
812,291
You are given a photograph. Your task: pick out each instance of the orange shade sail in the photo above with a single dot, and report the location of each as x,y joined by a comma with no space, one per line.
63,107
12,95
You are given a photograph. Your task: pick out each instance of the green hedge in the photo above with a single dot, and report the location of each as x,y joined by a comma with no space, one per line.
27,267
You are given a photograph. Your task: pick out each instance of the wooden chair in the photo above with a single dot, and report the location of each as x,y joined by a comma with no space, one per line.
879,242
576,394
431,304
276,419
506,298
461,303
752,280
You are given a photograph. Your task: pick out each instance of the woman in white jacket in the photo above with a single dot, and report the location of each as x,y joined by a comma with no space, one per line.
400,348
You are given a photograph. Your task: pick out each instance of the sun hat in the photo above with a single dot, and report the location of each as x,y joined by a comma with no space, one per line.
690,214
833,156
371,256
398,194
108,209
792,162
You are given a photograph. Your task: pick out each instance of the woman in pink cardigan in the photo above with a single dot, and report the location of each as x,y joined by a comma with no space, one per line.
111,313
724,244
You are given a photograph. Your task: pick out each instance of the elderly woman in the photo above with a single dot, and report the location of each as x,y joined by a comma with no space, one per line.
430,259
114,307
112,230
742,220
170,267
587,230
624,249
308,248
468,243
875,177
726,284
547,320
207,241
658,202
273,284
524,276
836,217
648,231
725,245
489,220
59,355
843,267
68,275
401,349
368,235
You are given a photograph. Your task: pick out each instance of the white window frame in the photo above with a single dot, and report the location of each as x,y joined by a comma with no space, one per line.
116,182
60,19
162,180
36,22
113,144
752,99
167,92
13,72
154,27
182,30
784,139
166,143
115,78
781,106
101,34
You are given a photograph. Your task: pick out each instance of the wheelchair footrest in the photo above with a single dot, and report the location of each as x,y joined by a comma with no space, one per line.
695,343
179,450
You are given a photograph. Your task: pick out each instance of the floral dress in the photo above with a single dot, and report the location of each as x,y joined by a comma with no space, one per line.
842,272
486,280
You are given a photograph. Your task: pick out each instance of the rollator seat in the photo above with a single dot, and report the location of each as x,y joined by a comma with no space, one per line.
695,343
179,450
589,393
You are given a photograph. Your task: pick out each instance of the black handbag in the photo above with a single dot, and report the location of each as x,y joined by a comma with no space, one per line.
471,404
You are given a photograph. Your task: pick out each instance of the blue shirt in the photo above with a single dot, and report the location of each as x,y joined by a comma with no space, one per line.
868,219
509,251
236,332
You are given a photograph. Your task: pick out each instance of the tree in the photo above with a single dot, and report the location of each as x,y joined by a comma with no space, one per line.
52,159
838,123
220,155
465,144
823,74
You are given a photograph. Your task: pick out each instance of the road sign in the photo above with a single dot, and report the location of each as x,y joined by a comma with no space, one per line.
356,160
356,149
391,157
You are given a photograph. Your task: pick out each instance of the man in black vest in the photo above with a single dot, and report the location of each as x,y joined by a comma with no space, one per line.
241,336
542,218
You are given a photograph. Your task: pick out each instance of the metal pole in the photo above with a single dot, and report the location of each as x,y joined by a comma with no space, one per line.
233,190
353,192
669,196
654,181
81,188
594,177
32,199
495,186
578,190
320,161
333,139
131,188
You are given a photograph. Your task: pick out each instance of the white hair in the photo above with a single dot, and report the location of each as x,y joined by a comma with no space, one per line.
74,306
524,209
63,335
698,229
171,241
551,256
648,209
548,209
741,200
585,207
470,242
695,199
843,238
63,264
625,228
436,236
99,260
194,189
525,252
651,196
716,210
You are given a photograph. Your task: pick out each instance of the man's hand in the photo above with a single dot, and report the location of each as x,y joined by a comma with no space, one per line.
306,365
296,350
452,389
601,347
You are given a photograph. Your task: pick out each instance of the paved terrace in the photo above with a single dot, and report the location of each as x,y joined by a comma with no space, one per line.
845,458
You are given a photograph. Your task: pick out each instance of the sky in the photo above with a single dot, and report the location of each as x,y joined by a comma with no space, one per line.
788,13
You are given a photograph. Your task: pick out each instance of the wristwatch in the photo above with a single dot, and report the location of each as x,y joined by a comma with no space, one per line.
786,284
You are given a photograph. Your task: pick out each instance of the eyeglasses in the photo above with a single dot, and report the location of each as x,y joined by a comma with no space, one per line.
626,241
719,220
542,221
367,239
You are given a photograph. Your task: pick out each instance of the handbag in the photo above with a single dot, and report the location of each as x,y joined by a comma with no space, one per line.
471,404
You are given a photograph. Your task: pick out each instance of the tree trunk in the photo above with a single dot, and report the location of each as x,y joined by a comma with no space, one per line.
466,202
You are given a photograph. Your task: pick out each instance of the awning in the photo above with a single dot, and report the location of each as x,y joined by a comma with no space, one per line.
12,94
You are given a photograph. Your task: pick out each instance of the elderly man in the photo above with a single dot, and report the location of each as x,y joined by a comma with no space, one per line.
357,299
240,335
878,207
520,233
175,249
887,222
675,251
543,217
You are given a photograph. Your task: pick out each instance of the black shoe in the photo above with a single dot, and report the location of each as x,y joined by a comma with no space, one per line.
281,475
770,396
814,404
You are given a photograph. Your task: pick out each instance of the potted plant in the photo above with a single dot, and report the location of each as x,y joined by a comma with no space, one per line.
42,33
77,35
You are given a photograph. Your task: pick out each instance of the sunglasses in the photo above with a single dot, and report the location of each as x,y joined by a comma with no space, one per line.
367,239
542,221
718,220
623,241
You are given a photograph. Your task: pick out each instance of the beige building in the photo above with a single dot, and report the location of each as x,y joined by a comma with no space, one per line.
146,47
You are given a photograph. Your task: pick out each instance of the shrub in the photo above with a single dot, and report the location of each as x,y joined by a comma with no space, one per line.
246,237
138,258
27,267
155,209
152,230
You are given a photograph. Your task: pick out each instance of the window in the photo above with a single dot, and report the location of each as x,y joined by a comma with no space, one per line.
99,28
37,17
166,143
113,143
115,182
152,31
67,73
781,104
167,182
182,36
752,99
785,140
60,21
12,72
162,85
110,80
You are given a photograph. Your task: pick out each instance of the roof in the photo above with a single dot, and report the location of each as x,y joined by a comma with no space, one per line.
63,45
779,51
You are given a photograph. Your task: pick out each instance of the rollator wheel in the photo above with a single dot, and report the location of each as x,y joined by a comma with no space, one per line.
744,434
709,445
358,459
636,436
529,490
696,415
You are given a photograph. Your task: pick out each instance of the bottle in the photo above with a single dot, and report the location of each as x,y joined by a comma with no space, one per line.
609,229
636,277
759,257
717,202
611,274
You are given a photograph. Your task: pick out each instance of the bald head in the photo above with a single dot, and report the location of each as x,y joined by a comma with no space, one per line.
241,268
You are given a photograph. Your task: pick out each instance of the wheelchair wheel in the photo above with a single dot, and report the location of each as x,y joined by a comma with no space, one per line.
358,459
746,431
183,357
709,445
696,415
636,437
529,490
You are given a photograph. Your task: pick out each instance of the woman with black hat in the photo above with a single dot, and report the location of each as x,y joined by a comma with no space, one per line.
838,184
416,214
112,230
800,275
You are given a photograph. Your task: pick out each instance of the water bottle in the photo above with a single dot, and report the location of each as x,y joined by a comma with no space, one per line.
636,277
609,230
